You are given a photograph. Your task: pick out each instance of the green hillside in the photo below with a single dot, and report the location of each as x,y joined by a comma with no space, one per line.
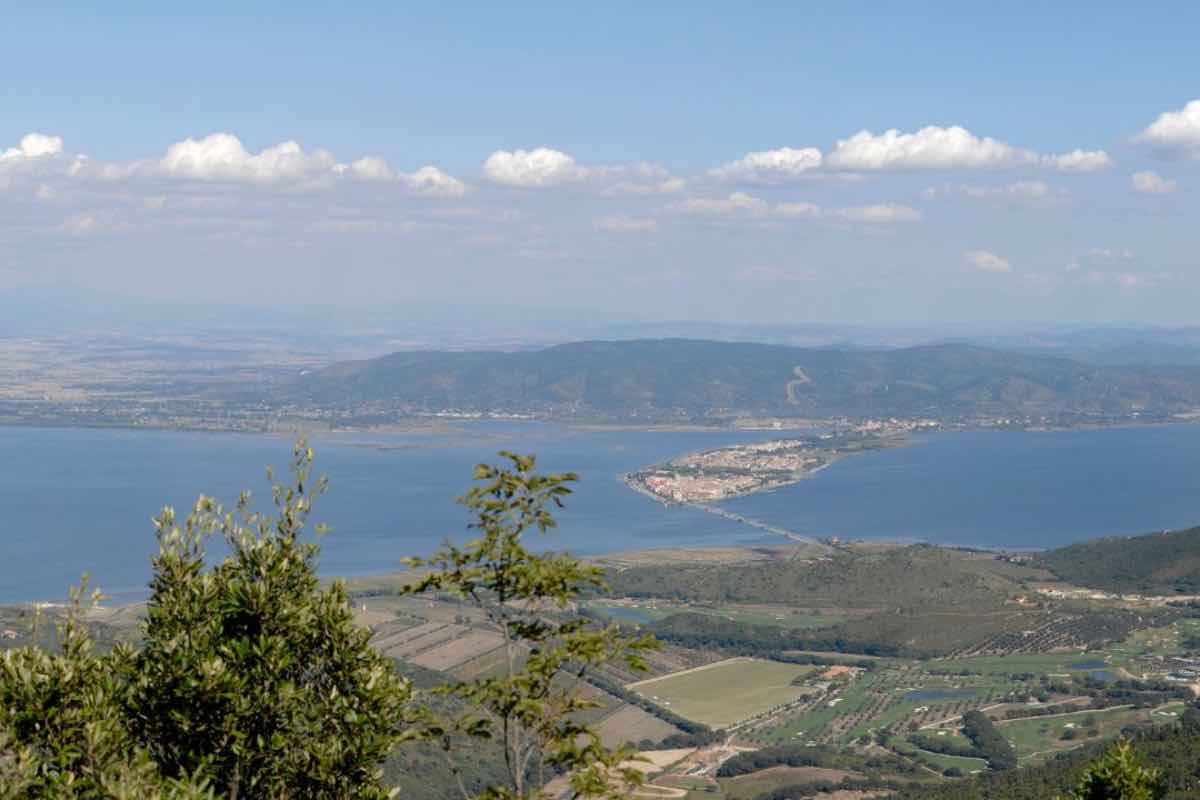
1175,750
1157,563
692,379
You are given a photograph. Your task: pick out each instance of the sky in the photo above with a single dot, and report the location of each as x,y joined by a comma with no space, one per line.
917,162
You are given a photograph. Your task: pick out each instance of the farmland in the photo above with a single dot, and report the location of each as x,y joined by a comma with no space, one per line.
727,692
799,649
632,724
643,612
754,639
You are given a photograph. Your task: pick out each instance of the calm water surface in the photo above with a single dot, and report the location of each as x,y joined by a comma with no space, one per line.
78,499
1001,489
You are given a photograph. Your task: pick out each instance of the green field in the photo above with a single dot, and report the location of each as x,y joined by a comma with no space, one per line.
883,698
1040,663
1038,737
938,761
650,611
726,692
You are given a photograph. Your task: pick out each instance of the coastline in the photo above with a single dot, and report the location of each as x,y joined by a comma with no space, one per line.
429,425
829,456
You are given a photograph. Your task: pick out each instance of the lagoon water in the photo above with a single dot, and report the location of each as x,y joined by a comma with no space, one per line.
78,500
1012,489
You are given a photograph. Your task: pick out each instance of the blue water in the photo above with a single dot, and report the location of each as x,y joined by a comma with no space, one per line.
1086,665
1019,490
79,499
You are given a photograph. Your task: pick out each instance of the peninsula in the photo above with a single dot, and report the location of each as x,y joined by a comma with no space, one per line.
737,470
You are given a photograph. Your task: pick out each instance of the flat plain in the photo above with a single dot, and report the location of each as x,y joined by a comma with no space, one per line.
726,692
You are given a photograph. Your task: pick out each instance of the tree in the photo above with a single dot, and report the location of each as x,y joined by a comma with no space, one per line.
1119,776
250,673
533,708
62,733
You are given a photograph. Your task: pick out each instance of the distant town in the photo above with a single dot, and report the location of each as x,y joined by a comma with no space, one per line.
713,475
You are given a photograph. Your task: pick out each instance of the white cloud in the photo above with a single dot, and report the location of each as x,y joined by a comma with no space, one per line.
667,185
882,214
1148,182
1175,133
33,145
623,224
955,147
770,166
543,167
431,181
368,168
797,210
736,204
428,180
986,261
642,178
931,147
221,156
1079,161
532,168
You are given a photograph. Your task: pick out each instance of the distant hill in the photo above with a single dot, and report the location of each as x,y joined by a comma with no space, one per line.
1157,563
663,379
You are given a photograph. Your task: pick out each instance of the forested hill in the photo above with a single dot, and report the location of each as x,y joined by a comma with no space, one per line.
1173,750
1157,563
683,378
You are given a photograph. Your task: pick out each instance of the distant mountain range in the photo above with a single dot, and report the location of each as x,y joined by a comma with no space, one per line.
685,379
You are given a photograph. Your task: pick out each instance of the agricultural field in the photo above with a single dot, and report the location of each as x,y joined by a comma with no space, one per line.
466,647
487,665
750,786
937,761
644,612
631,724
1039,663
898,695
1012,659
727,692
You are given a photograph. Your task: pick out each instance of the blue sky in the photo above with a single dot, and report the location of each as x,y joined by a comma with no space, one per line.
659,160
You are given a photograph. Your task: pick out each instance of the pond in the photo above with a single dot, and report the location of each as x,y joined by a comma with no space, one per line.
626,614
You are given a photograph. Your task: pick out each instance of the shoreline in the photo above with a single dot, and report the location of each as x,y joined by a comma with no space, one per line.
436,426
830,456
130,598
